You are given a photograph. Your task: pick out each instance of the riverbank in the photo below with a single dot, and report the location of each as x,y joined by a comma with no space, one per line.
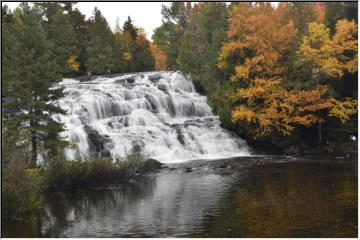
23,188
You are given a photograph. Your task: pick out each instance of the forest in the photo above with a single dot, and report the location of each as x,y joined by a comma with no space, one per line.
283,77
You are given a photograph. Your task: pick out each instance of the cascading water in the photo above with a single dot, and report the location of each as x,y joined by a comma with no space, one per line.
159,113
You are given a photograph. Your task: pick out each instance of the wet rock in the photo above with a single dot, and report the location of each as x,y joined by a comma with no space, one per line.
154,78
170,105
188,169
105,153
222,166
179,134
163,87
153,164
96,140
292,150
120,81
130,80
152,102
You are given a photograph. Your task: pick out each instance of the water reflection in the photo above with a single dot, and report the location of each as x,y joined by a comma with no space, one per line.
286,199
290,200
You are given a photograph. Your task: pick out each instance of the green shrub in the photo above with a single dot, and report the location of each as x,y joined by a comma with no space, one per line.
62,174
21,190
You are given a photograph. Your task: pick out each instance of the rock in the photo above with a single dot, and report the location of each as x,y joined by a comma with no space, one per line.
329,149
188,169
162,87
130,80
152,102
120,81
222,166
180,136
96,141
154,78
292,149
172,169
105,153
153,164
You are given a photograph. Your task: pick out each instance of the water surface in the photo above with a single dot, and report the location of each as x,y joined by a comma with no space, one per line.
274,196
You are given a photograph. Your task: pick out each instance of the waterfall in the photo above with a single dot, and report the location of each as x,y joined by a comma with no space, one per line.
159,113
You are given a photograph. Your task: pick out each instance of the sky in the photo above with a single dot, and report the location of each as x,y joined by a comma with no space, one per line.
144,14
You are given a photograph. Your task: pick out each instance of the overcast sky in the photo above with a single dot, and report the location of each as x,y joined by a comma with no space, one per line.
144,14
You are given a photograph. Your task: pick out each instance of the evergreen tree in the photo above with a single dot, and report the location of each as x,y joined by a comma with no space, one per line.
99,47
167,37
137,49
80,29
60,31
29,76
129,28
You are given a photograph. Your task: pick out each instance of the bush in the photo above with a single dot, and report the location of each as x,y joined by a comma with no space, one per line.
21,190
62,174
22,187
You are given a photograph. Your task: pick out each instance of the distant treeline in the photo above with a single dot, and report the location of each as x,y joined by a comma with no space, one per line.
83,46
280,76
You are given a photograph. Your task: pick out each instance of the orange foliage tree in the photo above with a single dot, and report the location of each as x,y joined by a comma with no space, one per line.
258,46
160,58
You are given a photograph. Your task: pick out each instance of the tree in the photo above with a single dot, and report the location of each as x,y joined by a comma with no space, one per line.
160,58
130,28
60,31
80,29
167,36
255,55
99,47
137,53
335,11
199,46
144,60
32,88
330,59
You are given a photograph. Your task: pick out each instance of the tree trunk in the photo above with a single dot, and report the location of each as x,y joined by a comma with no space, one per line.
34,150
320,135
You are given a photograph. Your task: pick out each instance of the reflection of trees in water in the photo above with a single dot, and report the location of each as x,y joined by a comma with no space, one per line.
291,200
63,210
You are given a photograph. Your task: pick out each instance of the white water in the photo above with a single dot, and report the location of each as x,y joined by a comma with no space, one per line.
166,118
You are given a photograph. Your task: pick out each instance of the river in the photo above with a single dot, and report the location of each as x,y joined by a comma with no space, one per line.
258,196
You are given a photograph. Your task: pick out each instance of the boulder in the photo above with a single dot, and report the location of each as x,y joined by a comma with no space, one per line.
188,169
153,164
130,80
154,78
162,87
96,140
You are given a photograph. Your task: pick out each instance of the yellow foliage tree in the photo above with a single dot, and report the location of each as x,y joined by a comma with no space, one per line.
73,64
127,56
329,58
343,109
273,108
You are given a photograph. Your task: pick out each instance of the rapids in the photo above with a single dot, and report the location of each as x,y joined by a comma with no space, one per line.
158,113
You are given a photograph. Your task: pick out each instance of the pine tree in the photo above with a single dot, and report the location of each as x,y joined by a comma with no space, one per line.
130,28
80,29
31,85
99,47
59,30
